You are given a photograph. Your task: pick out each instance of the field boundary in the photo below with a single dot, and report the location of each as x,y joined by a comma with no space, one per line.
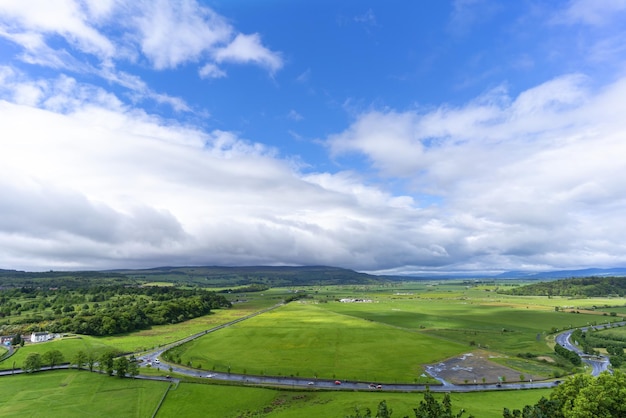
158,407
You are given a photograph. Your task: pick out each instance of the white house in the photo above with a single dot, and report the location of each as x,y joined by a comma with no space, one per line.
38,337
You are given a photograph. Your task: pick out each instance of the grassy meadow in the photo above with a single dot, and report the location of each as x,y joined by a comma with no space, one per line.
140,340
67,394
390,338
81,394
194,400
305,340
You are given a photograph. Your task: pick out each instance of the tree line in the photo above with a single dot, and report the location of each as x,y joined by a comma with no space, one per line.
104,310
108,362
584,286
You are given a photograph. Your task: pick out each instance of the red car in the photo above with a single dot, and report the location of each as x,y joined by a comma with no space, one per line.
337,382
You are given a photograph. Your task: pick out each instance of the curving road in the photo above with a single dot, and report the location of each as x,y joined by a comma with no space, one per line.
599,363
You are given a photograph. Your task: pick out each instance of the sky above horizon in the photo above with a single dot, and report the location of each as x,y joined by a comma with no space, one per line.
402,137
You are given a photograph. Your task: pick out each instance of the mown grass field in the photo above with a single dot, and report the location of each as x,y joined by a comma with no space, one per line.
69,394
391,338
310,341
194,400
80,394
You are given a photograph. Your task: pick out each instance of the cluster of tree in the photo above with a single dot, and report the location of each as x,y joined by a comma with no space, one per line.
59,279
572,356
121,366
614,344
108,310
581,396
109,362
586,286
35,361
428,408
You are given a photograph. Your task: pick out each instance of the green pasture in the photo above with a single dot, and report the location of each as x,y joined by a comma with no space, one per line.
67,394
309,341
194,400
507,327
160,335
388,339
68,346
70,393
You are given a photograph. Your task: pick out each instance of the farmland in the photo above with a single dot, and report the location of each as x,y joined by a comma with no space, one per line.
393,337
65,393
386,332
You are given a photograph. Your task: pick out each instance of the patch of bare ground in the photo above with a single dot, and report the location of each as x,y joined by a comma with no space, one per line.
475,367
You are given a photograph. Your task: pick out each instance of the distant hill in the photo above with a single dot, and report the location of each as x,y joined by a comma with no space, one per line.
204,276
240,276
574,287
595,272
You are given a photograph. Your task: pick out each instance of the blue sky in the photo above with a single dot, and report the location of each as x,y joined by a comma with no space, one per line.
400,137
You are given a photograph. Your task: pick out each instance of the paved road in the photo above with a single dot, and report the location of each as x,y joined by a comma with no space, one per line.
599,363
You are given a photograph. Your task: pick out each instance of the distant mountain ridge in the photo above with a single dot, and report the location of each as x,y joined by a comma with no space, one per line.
245,275
560,274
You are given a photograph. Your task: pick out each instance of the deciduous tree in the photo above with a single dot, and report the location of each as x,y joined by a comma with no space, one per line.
32,362
53,358
121,366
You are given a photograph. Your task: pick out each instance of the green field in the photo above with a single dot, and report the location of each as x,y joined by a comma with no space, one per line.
65,393
391,337
78,394
194,400
307,340
68,346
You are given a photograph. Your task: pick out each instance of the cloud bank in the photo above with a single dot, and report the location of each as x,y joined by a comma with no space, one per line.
90,178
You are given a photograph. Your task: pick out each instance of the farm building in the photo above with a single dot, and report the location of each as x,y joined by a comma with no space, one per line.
38,337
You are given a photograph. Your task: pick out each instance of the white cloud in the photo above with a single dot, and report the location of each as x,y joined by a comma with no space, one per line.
99,35
63,17
91,183
248,48
211,70
293,115
592,12
534,177
173,33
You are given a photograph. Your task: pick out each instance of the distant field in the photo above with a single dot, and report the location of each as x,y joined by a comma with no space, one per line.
67,394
